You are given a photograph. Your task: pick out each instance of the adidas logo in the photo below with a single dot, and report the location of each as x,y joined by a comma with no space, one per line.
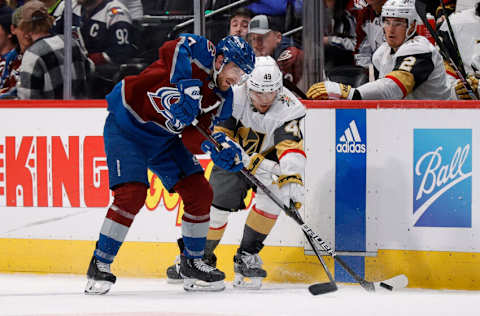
349,141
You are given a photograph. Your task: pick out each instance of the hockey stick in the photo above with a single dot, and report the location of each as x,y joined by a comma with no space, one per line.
421,7
312,236
292,87
318,288
454,41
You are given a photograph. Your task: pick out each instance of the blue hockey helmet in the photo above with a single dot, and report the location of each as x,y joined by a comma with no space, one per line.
236,49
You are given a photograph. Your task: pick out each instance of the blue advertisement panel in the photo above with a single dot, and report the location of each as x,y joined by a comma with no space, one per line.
442,178
350,187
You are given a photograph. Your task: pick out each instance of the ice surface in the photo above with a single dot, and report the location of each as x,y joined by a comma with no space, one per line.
33,294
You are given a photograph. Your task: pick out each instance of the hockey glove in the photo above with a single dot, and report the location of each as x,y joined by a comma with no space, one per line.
188,106
329,90
257,163
461,91
229,157
291,188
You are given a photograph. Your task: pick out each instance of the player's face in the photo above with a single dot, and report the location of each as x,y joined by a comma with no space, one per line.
262,101
239,26
264,44
230,75
24,39
395,31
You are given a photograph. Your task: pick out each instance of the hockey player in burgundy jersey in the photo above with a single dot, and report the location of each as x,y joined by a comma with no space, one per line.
191,80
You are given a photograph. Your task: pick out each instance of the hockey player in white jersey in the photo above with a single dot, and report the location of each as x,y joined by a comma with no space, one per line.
266,122
466,29
409,65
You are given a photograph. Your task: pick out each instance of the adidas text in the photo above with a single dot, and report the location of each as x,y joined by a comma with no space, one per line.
351,147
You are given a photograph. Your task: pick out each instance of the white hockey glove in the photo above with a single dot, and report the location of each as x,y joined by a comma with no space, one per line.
329,90
461,91
258,164
291,188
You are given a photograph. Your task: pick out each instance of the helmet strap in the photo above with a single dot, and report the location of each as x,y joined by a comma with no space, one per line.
414,30
217,72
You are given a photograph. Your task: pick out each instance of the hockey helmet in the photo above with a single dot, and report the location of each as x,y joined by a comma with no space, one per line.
404,9
265,83
235,49
266,77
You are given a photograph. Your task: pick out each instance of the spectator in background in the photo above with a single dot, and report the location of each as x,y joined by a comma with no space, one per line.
266,39
5,8
10,58
239,22
340,38
23,39
41,70
107,31
369,32
55,9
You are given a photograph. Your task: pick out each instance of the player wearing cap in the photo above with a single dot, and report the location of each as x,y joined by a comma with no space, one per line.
409,66
266,39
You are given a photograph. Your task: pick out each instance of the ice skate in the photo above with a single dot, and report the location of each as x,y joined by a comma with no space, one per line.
173,271
100,279
248,266
199,276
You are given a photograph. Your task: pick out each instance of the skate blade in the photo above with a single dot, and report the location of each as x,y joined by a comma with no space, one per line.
397,282
241,282
195,285
174,281
97,287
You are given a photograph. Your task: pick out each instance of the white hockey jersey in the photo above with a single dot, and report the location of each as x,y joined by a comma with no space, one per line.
466,28
414,71
272,133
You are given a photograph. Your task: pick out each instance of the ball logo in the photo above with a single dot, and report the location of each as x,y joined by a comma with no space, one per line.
442,174
350,141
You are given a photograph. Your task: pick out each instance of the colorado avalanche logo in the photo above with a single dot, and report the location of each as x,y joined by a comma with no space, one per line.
161,101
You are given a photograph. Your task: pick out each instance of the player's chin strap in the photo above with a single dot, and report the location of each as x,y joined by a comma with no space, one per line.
412,32
217,72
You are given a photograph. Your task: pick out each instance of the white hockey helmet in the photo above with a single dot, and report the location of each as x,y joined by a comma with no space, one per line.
266,77
404,9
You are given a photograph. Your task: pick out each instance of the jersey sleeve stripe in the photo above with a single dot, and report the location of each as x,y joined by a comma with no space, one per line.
292,151
399,83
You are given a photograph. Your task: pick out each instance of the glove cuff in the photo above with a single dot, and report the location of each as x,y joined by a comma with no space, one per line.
186,83
292,178
254,163
346,91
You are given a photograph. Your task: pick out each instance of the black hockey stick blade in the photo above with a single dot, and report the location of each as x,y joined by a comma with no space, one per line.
393,284
322,288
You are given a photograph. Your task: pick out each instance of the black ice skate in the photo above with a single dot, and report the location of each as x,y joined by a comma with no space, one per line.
199,276
173,271
100,279
246,265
